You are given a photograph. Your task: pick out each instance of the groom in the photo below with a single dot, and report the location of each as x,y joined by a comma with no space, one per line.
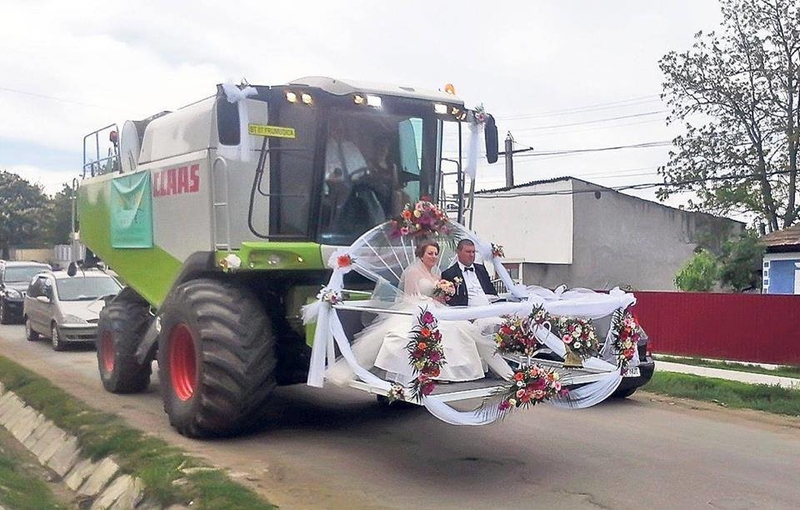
475,283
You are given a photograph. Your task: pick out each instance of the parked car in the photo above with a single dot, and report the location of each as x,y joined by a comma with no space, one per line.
14,279
66,308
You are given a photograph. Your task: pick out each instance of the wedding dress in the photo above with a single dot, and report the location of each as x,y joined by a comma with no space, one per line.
383,343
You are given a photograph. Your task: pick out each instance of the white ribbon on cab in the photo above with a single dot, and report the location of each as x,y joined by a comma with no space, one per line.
236,95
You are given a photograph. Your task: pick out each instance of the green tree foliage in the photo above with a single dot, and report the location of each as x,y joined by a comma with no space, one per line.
699,274
23,213
738,94
740,263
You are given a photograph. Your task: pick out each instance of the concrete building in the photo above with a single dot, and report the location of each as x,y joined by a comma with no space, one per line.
781,274
574,232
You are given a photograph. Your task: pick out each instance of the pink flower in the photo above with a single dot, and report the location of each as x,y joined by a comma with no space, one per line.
427,318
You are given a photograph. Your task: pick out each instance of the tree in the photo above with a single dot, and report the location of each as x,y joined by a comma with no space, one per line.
23,213
699,274
59,225
740,263
738,94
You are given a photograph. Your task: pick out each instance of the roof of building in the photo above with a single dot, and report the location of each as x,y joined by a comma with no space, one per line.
783,238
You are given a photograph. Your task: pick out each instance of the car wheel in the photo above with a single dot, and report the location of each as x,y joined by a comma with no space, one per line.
30,334
55,338
4,318
624,393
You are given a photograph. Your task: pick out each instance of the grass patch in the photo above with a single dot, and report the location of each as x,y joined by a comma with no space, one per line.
734,394
21,490
781,371
169,476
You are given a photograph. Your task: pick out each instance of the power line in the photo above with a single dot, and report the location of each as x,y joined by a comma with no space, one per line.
595,121
644,145
582,109
51,98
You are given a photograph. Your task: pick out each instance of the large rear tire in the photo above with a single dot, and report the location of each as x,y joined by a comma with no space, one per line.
121,327
216,359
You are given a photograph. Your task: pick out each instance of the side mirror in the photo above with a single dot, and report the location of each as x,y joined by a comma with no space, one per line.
490,137
72,270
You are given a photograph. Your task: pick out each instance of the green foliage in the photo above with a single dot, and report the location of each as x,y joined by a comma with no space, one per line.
29,218
740,263
762,397
699,274
737,95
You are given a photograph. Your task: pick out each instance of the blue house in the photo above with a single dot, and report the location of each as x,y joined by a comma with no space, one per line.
782,261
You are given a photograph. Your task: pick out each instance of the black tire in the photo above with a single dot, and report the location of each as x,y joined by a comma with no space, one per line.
4,315
55,338
121,327
30,334
624,393
216,359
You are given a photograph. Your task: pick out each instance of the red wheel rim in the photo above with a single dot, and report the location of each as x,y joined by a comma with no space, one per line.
107,351
182,363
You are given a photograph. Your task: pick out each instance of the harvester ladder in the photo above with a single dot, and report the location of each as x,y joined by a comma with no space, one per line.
219,197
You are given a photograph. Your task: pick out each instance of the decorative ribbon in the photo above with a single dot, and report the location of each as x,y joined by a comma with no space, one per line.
236,95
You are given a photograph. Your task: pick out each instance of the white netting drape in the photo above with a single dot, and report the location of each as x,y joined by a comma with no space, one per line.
382,256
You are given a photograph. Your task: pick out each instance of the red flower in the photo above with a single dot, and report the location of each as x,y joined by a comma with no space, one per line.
422,346
519,376
344,260
425,332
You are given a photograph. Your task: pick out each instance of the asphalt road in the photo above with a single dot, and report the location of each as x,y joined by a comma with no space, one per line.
336,448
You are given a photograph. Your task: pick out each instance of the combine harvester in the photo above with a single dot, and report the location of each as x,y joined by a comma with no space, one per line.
225,217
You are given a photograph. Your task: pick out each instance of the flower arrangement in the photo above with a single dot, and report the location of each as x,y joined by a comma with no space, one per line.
497,251
422,218
444,289
540,316
330,296
480,114
529,386
580,338
396,392
625,336
426,354
516,336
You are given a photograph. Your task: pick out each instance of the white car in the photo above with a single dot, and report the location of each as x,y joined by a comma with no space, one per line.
66,308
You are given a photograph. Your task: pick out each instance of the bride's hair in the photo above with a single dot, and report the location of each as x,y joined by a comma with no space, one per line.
423,245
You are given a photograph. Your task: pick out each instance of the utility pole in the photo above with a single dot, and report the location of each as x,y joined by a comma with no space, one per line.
509,160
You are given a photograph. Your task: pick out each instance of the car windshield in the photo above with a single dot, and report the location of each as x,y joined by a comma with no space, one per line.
82,288
22,274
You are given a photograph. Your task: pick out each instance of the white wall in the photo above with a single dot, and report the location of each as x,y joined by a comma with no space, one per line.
531,228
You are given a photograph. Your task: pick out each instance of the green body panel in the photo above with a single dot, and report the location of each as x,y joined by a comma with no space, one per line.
149,271
259,255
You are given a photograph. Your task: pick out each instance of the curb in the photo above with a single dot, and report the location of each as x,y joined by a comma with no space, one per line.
100,482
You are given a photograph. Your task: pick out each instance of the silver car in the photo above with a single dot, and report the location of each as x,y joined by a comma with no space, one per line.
66,308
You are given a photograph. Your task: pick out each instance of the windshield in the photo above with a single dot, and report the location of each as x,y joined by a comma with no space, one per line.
373,166
80,288
22,274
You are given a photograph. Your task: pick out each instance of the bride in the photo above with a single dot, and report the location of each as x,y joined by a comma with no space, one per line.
383,343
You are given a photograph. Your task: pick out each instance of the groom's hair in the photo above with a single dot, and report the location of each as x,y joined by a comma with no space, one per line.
423,245
464,242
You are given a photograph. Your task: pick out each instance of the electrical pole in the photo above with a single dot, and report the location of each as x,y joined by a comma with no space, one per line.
509,160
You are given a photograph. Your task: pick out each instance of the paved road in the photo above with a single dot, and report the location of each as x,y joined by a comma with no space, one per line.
335,448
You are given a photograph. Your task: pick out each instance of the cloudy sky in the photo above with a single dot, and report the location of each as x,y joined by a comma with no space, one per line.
560,75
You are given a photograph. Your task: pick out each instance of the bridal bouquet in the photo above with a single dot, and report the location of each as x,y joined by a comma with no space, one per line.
444,289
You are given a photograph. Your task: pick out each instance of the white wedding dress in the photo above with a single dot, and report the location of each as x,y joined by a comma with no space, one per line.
383,343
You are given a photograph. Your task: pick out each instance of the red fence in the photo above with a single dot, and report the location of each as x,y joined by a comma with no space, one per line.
760,328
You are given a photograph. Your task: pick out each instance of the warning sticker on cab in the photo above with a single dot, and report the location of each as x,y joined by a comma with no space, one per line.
272,131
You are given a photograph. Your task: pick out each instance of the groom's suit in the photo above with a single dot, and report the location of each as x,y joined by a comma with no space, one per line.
461,297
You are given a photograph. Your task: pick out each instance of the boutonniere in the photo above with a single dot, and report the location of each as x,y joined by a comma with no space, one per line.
457,281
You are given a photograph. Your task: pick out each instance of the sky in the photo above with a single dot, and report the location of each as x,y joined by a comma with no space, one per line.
559,75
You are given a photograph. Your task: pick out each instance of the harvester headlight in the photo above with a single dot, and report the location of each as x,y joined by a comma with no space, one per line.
374,101
359,99
450,89
291,97
307,99
274,259
440,109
